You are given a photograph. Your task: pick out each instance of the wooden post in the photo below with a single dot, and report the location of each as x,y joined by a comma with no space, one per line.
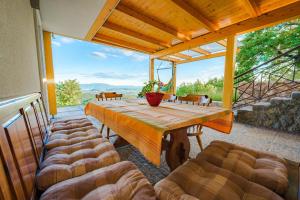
174,77
50,74
229,71
151,69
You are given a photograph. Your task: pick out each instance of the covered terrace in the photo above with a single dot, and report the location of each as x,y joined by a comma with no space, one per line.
152,152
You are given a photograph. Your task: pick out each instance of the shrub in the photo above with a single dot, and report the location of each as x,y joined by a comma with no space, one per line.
68,93
213,88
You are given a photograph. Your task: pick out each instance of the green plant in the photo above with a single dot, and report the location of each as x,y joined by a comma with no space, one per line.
213,88
148,87
260,46
68,93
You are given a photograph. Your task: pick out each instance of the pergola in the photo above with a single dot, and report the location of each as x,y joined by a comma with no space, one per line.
177,30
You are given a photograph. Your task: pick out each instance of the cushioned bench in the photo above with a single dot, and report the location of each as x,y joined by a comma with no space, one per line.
260,167
72,136
70,124
70,161
121,181
199,179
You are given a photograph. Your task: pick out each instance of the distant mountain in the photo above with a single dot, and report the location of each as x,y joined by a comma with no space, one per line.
107,87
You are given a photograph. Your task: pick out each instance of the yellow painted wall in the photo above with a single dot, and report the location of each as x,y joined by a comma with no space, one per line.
19,74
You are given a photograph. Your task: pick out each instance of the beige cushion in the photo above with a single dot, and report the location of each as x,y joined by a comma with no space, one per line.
199,179
65,162
70,124
121,181
82,134
260,167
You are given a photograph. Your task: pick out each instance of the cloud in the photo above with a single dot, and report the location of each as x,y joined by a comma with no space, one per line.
113,75
58,44
135,56
99,54
67,40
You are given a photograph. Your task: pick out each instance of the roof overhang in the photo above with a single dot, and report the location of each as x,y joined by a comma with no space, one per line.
166,30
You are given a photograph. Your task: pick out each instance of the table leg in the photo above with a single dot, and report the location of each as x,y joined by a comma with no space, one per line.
178,149
119,142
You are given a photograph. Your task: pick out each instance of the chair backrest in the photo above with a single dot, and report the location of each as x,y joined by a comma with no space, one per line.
22,134
108,95
169,97
196,99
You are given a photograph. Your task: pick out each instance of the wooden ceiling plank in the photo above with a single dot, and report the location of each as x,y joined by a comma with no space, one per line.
148,20
196,14
122,43
276,16
252,7
167,58
213,55
182,55
200,50
134,34
222,42
103,15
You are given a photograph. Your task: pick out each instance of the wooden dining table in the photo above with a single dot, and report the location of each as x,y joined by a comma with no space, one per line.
147,128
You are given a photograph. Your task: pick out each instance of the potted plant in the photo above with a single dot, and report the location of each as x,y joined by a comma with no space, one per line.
153,98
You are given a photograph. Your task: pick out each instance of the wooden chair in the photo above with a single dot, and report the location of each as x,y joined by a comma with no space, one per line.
169,97
196,130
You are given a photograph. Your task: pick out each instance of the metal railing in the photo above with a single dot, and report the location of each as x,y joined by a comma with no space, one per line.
272,78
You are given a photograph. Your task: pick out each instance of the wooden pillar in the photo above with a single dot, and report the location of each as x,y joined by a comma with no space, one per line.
151,69
174,77
229,71
50,73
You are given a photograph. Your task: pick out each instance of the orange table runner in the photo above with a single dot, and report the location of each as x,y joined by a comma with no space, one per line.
143,126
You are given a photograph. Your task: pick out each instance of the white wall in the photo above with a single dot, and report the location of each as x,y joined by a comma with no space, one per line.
19,73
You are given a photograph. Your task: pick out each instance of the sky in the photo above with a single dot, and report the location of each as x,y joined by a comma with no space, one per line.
94,63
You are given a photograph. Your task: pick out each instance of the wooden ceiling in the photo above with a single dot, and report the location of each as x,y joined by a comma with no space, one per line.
166,28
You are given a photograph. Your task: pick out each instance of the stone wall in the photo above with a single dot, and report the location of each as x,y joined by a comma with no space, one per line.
282,113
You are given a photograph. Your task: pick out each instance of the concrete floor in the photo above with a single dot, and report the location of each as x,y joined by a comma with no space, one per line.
281,143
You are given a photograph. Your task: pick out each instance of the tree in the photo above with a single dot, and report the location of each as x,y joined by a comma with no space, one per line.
260,46
68,93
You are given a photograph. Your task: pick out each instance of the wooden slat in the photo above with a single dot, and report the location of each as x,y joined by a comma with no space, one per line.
196,14
213,55
122,43
182,55
252,8
222,42
200,50
137,35
101,18
167,58
148,20
276,16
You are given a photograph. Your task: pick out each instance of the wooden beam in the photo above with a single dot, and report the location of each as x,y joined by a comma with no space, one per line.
134,34
200,50
50,73
274,17
148,20
196,14
229,71
252,8
103,15
213,55
182,55
122,43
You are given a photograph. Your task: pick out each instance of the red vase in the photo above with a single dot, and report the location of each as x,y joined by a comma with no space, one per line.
154,98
